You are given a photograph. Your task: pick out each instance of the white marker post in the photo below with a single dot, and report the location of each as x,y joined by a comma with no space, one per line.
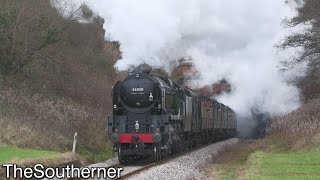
74,143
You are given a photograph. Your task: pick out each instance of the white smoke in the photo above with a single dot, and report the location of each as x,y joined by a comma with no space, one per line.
231,39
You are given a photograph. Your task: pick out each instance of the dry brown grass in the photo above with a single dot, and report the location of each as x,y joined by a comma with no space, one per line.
298,129
38,122
12,133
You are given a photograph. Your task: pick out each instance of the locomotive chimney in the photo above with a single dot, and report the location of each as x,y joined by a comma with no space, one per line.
143,68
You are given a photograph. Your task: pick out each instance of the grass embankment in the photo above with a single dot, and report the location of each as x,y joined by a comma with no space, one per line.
9,154
254,160
13,154
29,158
230,163
301,165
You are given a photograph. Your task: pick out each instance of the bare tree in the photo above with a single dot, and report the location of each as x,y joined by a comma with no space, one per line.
309,41
27,28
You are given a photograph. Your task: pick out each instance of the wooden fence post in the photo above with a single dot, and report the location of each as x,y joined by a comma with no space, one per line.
74,143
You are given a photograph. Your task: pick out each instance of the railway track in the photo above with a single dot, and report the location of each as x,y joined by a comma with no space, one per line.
154,164
137,171
135,168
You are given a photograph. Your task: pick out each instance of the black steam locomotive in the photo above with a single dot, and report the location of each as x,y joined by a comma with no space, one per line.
155,117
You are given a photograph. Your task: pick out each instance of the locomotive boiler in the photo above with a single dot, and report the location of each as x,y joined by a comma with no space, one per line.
154,117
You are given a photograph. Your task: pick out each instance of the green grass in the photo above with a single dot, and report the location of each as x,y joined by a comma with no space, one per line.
103,155
8,154
233,160
229,171
303,165
96,155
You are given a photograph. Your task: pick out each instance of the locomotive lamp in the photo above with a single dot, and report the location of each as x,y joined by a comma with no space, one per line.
151,97
136,126
114,106
157,136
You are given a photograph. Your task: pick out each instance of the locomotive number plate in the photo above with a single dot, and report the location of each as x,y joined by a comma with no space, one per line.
137,89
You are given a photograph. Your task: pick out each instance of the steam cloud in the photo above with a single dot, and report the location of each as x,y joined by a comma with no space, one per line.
231,39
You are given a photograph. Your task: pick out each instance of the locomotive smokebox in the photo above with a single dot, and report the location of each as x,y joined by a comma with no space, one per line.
139,91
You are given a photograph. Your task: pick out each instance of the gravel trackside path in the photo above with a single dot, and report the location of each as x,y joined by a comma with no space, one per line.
183,167
186,166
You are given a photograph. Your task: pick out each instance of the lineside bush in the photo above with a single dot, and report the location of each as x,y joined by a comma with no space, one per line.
298,129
